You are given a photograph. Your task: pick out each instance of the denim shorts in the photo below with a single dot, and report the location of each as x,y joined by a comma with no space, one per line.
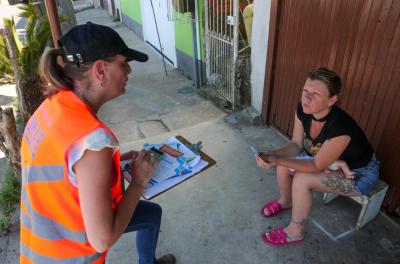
367,177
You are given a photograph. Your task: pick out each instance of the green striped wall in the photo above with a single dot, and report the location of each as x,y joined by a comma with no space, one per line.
131,8
184,35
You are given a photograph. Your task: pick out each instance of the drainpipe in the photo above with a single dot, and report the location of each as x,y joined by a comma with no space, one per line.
207,40
196,44
54,21
235,49
235,30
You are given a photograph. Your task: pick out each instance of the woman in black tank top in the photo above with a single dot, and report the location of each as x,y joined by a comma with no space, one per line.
328,152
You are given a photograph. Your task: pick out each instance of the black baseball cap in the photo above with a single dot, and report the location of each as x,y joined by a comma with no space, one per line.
90,42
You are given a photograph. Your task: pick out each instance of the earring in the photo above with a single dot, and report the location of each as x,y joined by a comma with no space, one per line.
102,83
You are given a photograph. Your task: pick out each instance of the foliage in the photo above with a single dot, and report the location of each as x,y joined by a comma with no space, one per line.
9,193
6,70
5,65
9,198
37,34
5,223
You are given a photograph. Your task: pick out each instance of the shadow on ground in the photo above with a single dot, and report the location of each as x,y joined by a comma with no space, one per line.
5,100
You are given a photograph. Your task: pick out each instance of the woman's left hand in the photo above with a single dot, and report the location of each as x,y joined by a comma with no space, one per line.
262,163
271,159
130,155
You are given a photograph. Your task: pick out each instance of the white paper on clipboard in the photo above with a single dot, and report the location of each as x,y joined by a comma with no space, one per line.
166,176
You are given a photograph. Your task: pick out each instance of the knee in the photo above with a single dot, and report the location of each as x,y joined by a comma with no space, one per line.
301,180
282,171
153,210
157,210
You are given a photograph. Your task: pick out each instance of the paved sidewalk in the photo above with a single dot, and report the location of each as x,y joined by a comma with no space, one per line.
214,217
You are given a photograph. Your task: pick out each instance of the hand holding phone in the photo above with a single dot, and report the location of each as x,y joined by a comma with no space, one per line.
255,151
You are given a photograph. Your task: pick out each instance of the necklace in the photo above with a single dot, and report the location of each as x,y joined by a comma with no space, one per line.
322,119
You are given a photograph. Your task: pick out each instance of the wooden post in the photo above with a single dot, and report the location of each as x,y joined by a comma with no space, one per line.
54,21
12,51
9,140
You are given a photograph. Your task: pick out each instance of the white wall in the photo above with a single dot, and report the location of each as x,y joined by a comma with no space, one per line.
259,44
109,6
96,3
166,28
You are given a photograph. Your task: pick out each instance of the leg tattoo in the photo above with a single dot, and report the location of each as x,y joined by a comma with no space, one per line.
339,184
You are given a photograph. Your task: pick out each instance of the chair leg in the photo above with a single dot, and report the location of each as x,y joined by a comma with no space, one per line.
361,221
370,208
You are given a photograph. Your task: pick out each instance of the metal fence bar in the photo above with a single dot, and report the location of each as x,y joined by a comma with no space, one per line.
220,44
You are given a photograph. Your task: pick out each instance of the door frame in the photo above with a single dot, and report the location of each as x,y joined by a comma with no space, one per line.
270,61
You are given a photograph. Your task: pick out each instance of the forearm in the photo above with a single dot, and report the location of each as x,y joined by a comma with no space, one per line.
297,164
125,210
290,150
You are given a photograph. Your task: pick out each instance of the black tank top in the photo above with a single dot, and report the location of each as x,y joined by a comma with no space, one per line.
358,152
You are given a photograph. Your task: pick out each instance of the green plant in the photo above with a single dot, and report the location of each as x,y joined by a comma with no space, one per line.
37,35
9,198
6,70
9,193
5,223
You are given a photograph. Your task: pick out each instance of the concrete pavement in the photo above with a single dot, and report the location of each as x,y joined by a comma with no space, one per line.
213,218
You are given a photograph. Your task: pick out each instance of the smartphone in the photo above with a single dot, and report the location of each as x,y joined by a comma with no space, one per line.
254,150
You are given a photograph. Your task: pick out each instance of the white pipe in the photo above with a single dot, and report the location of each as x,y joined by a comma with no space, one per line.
236,29
198,35
207,38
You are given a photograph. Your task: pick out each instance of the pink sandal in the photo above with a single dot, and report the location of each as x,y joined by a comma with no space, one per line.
273,208
278,237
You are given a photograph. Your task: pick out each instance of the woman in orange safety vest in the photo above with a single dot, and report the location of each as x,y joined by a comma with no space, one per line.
73,204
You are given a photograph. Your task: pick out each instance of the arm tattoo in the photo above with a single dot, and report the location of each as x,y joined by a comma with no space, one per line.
339,184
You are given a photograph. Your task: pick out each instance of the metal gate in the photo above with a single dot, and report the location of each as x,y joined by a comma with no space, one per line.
221,19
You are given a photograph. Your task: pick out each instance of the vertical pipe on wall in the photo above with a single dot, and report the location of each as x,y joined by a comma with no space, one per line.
198,43
159,40
235,46
195,44
236,29
206,20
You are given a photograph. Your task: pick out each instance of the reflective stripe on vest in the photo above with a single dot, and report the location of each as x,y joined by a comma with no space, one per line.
37,258
48,173
46,228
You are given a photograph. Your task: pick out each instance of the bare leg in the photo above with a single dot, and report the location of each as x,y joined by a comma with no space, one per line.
285,181
303,185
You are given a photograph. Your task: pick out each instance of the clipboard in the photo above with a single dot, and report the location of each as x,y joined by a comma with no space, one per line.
211,162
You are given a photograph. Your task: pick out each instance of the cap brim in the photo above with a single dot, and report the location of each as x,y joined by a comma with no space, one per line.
132,54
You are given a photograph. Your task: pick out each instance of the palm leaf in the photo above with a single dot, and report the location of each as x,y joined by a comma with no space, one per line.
40,35
5,63
29,31
14,37
28,11
37,36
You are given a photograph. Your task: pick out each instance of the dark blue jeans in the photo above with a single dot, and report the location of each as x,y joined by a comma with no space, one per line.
146,221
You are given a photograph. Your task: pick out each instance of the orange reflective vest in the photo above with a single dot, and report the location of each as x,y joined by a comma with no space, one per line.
52,229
